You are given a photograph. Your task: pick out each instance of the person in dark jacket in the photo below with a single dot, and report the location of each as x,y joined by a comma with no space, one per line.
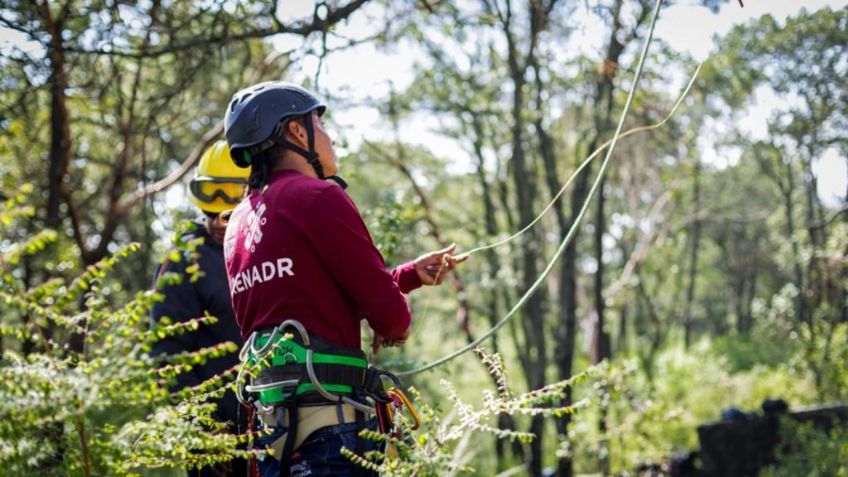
216,189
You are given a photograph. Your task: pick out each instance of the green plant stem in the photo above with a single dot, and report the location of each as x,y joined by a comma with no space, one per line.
86,457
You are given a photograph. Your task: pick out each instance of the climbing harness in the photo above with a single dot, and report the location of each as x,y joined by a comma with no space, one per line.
301,368
303,383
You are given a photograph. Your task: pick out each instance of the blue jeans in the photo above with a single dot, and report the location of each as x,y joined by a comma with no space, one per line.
320,454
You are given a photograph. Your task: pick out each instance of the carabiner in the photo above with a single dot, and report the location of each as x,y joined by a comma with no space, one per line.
397,394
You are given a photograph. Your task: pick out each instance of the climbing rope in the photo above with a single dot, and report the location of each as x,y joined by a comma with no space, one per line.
571,231
586,162
576,173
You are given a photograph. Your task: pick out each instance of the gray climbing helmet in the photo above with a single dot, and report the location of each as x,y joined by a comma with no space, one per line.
256,119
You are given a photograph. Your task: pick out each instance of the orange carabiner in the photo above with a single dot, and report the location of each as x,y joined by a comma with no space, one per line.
404,400
390,412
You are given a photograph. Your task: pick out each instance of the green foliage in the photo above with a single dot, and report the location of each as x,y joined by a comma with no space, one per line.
387,222
808,451
654,413
441,446
649,420
745,352
820,341
80,393
146,80
143,86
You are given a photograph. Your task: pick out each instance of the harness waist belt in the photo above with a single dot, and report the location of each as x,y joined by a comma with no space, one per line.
283,373
310,419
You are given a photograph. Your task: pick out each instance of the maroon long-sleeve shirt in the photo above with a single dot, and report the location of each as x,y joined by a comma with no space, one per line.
301,250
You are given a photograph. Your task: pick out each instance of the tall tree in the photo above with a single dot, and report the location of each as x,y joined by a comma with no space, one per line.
802,61
120,80
618,38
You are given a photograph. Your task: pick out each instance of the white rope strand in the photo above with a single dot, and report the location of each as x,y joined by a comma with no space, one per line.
571,232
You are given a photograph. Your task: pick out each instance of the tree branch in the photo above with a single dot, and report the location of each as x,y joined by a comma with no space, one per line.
205,141
830,219
119,171
463,311
14,26
76,224
302,28
641,248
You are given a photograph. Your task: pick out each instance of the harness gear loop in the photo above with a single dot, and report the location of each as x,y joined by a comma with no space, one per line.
259,355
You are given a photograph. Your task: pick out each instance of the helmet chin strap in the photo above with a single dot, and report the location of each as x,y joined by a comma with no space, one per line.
338,180
310,155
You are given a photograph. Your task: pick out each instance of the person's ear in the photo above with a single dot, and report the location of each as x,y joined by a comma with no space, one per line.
296,131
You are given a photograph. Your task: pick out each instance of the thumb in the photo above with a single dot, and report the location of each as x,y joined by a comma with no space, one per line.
461,258
449,250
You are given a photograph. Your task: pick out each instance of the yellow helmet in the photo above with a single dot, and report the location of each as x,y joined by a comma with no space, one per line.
218,184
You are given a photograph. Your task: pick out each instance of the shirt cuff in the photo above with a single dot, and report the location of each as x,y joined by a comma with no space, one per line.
406,277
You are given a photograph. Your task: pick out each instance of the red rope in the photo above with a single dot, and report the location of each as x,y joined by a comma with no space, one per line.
254,464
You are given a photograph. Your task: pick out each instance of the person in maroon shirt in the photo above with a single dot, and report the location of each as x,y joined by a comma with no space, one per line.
297,248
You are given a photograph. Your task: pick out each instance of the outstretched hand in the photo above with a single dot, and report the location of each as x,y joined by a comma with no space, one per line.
432,267
380,342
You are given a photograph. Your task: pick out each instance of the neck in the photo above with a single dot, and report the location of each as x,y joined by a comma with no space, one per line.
295,162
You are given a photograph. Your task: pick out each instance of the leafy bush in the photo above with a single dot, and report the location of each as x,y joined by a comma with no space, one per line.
440,447
650,420
818,338
79,392
808,451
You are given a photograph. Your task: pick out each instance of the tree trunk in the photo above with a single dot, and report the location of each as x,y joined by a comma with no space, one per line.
789,205
601,345
695,241
533,316
59,156
603,102
621,340
505,421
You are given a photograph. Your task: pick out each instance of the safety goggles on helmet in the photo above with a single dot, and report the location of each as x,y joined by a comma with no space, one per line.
228,189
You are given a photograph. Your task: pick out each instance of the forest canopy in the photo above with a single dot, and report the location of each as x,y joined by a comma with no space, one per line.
704,269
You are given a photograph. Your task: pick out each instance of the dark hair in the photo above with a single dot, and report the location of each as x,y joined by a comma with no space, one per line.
264,163
261,168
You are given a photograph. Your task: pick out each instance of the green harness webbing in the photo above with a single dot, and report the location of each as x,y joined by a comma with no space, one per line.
296,369
301,369
286,362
